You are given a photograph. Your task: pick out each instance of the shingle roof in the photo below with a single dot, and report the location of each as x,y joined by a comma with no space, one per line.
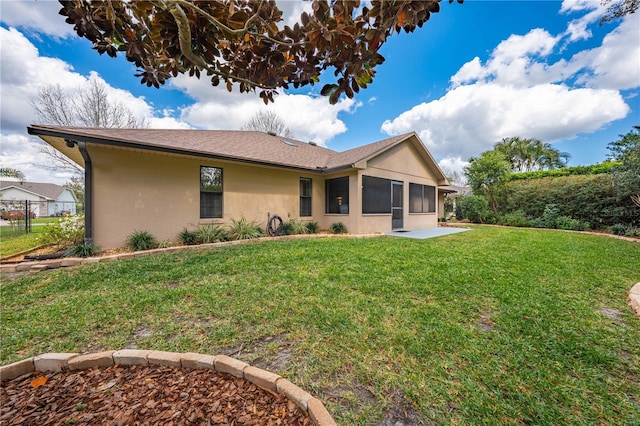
50,191
251,146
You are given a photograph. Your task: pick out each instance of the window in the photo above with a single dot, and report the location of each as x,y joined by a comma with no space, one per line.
422,198
305,197
337,191
210,192
376,195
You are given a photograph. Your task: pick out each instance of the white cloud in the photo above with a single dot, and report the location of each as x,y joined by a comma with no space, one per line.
470,119
517,92
310,117
22,152
511,61
24,73
454,165
36,17
615,64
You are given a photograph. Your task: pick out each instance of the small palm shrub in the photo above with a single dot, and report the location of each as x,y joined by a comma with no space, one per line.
141,240
187,237
84,249
210,233
338,228
242,229
312,227
294,227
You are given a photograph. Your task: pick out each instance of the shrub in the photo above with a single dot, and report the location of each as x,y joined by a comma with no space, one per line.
294,227
476,209
618,229
338,228
550,216
568,223
632,232
210,233
242,229
188,238
67,231
516,218
141,240
313,227
84,250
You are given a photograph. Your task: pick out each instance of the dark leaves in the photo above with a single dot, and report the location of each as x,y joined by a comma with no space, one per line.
240,41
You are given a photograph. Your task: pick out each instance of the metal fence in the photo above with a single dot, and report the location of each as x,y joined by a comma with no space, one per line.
19,214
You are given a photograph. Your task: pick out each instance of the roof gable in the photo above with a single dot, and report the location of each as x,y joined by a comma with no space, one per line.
50,191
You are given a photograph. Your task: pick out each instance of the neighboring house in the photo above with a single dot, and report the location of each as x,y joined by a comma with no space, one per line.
47,199
453,192
165,180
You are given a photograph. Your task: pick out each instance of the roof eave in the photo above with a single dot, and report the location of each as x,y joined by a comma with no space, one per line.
128,144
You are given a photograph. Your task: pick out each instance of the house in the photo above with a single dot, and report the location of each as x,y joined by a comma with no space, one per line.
165,180
46,199
451,192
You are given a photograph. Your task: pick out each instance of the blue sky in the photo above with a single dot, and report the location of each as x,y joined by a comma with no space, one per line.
474,74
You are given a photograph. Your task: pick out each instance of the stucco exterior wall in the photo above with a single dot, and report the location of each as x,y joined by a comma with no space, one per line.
402,164
160,193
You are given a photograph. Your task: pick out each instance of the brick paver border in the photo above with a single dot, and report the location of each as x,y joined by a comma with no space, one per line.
221,363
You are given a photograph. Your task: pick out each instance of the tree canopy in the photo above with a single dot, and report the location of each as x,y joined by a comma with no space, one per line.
239,42
526,155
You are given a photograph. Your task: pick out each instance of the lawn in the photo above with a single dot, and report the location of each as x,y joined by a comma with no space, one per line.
490,326
14,240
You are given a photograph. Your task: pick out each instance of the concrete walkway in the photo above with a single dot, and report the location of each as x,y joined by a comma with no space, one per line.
425,233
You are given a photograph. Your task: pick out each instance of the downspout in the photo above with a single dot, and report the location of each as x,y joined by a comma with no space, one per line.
88,191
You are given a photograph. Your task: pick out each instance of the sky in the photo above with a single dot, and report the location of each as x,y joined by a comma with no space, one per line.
474,74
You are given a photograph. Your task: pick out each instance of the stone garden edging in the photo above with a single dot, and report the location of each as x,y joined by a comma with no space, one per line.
74,361
41,265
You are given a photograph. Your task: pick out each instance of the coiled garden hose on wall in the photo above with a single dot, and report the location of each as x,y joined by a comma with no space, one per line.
274,226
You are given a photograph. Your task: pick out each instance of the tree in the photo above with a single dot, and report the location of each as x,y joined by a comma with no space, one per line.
627,174
87,106
487,175
527,155
268,122
11,173
618,9
76,185
239,42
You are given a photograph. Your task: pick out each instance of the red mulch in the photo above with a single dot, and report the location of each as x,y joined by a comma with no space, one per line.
136,395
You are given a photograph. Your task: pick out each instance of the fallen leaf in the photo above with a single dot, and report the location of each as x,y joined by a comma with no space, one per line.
38,381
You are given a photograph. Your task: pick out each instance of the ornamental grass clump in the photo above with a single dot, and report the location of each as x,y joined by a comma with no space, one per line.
141,240
295,227
242,229
210,233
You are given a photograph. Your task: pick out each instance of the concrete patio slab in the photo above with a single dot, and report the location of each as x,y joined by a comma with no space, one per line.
425,233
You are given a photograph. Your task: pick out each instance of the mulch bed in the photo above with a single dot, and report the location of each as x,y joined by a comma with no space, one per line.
143,395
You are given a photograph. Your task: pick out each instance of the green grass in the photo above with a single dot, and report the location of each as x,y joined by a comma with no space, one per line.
490,326
12,242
